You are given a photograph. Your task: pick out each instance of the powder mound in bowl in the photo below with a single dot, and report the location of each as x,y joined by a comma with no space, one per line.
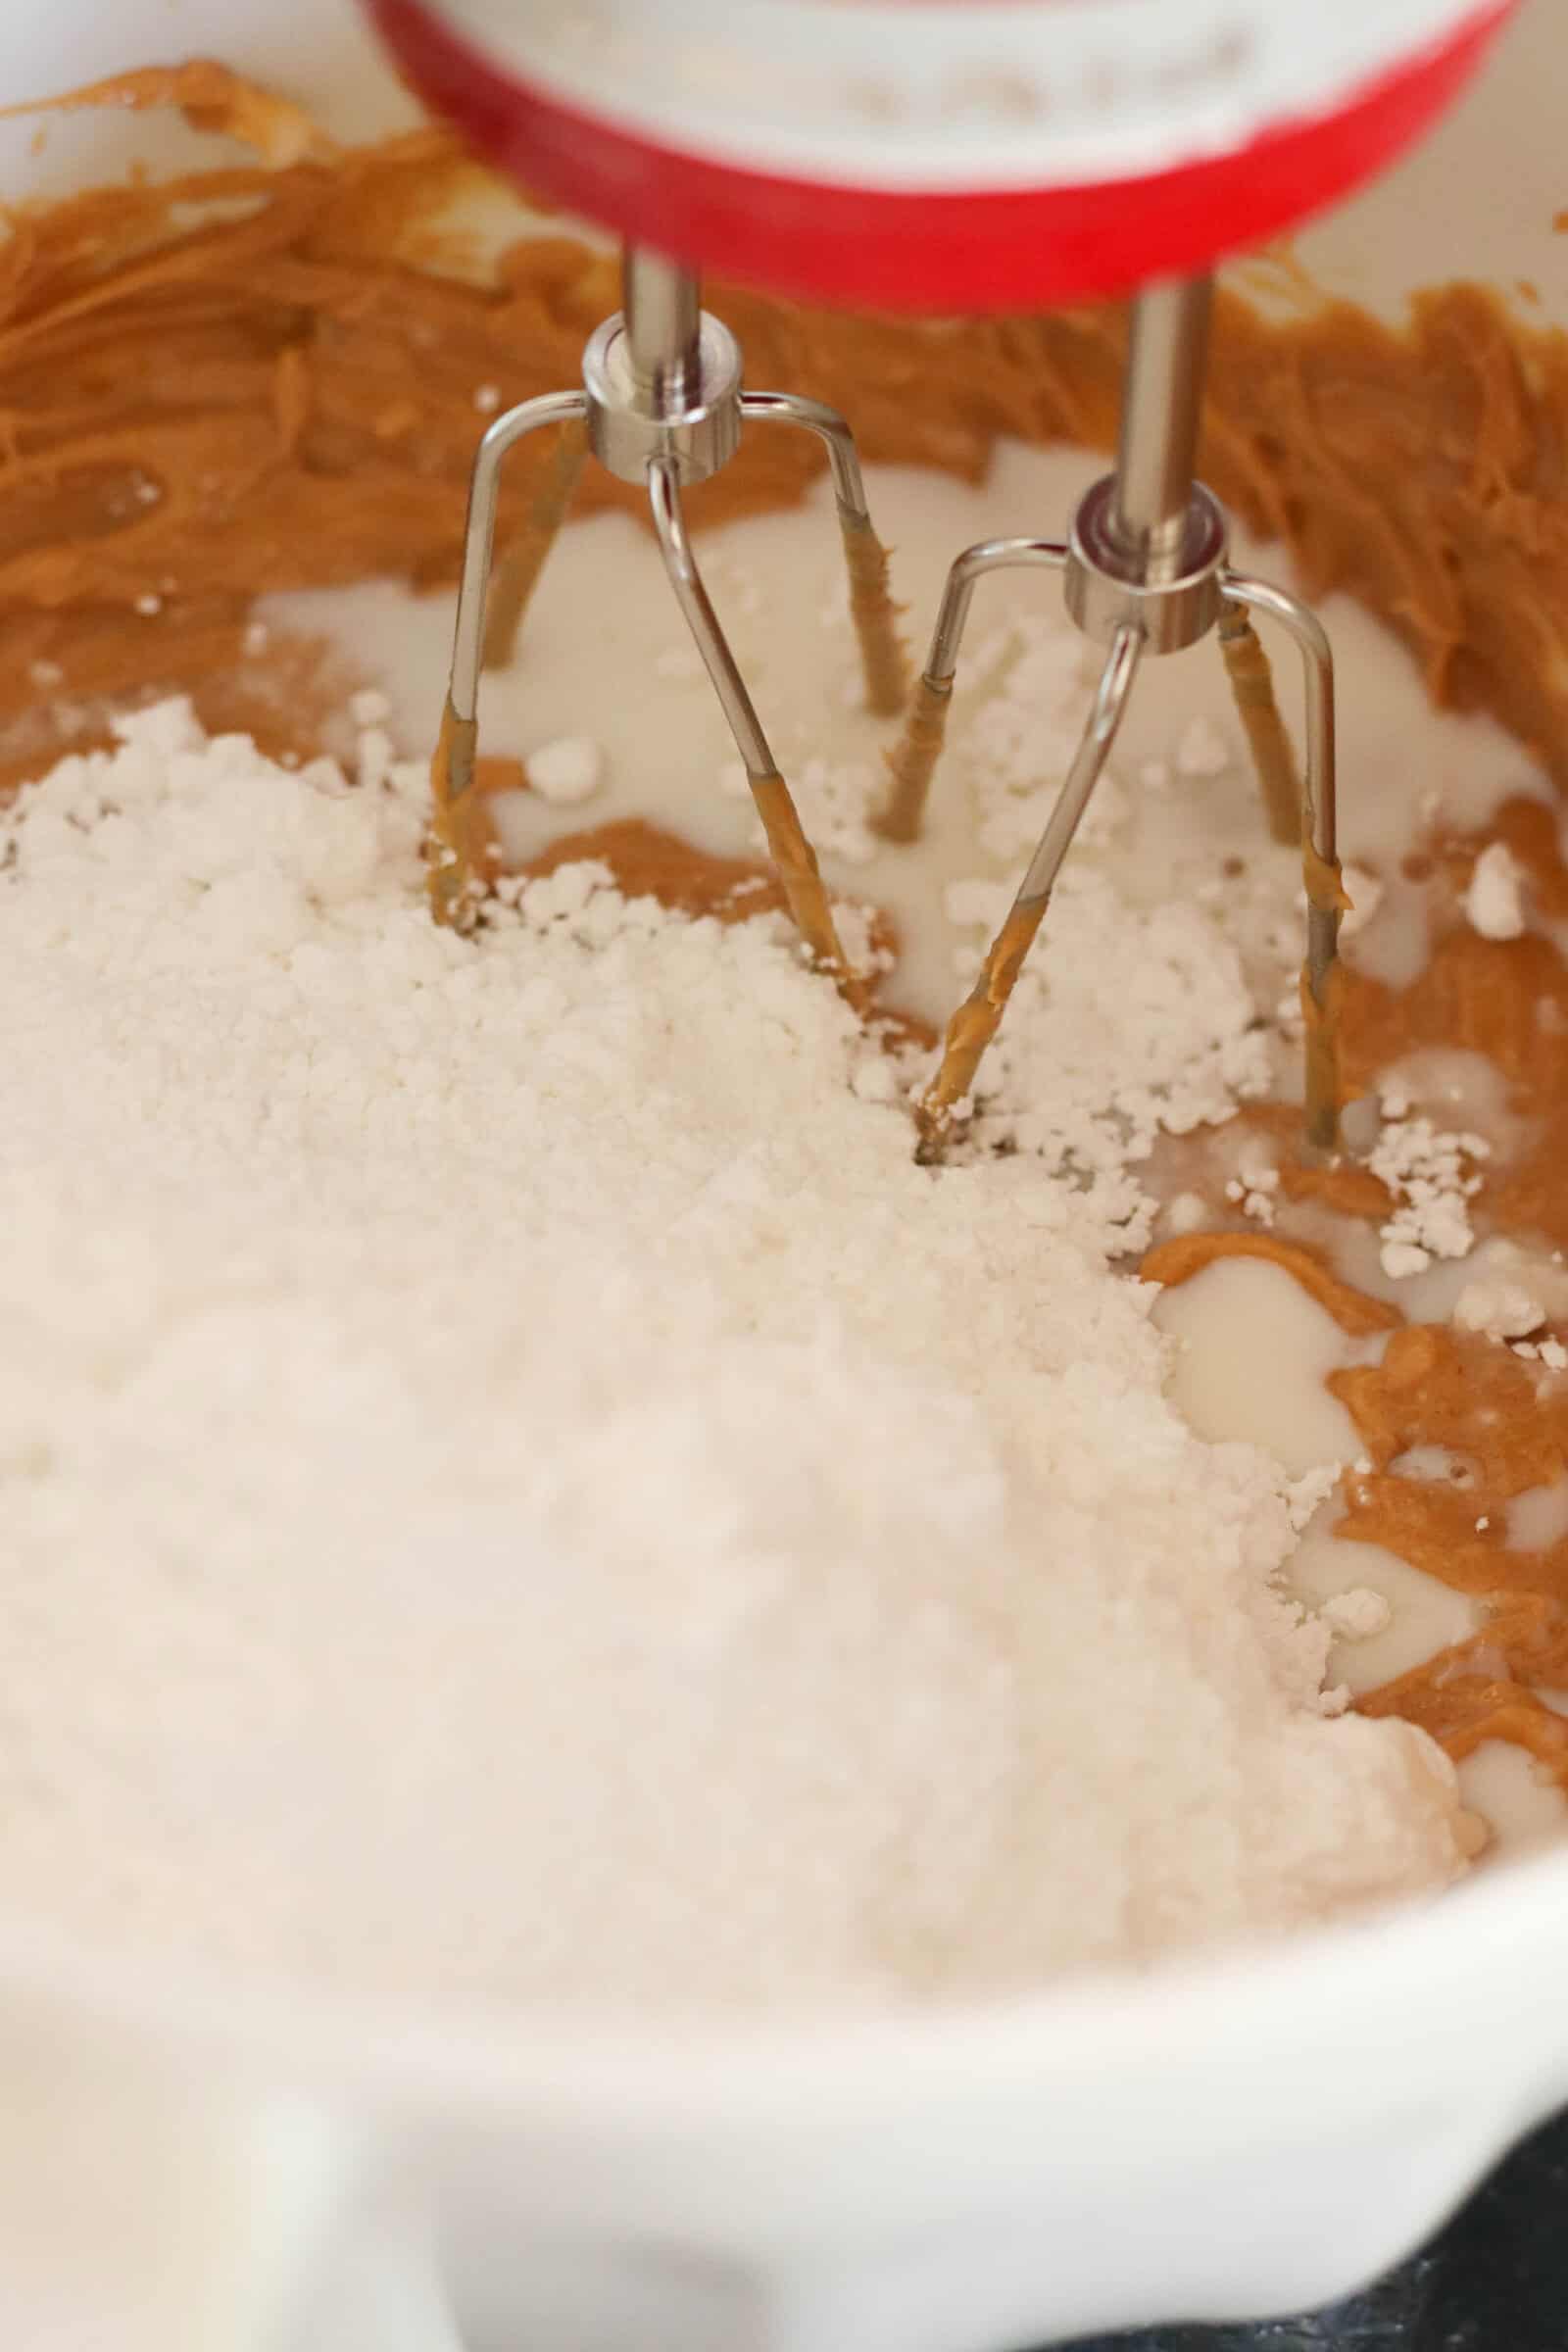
516,1485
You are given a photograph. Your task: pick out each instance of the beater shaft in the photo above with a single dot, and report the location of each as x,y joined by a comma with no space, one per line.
661,308
1156,459
1156,454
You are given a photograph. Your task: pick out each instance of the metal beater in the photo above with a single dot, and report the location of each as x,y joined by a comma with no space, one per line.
1146,572
660,405
937,160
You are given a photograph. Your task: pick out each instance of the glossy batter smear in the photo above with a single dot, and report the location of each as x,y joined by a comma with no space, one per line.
264,376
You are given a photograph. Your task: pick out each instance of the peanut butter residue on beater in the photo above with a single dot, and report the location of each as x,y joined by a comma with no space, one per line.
513,582
875,616
975,1023
1323,1010
264,377
913,764
1273,759
463,845
1323,1029
800,881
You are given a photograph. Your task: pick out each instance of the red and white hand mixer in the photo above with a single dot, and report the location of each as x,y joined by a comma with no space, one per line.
939,157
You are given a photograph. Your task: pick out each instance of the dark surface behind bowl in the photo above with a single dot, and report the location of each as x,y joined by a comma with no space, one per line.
1496,2280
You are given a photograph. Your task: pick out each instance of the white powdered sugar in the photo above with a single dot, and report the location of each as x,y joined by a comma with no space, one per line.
1138,1019
517,1485
1500,1306
1430,1173
838,802
1493,901
1355,1615
1018,743
1255,1186
567,770
1202,749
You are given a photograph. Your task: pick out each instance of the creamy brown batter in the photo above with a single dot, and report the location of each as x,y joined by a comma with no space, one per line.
278,390
296,385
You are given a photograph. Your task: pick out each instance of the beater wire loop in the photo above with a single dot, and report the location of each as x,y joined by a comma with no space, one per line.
457,829
662,407
884,657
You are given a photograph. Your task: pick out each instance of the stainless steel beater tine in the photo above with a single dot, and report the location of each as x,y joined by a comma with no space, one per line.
977,1020
453,826
516,577
913,764
793,855
883,655
1251,685
1325,892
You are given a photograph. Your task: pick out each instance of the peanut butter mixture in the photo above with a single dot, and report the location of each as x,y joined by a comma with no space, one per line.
262,377
1506,1421
1508,1430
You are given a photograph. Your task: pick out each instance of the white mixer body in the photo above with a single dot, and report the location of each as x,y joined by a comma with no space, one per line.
986,94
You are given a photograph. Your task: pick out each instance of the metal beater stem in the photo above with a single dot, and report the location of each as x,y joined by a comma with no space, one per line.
1156,451
661,305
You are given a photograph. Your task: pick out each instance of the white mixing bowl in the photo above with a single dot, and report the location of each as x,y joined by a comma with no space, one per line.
179,2172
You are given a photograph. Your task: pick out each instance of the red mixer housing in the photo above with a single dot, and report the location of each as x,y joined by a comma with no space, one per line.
940,248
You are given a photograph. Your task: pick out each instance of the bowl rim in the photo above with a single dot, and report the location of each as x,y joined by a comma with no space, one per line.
1406,1977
